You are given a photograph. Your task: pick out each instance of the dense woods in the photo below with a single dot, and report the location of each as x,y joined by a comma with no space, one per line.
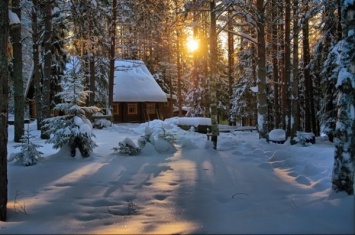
266,63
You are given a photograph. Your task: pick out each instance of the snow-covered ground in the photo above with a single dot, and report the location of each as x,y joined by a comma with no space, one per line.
245,186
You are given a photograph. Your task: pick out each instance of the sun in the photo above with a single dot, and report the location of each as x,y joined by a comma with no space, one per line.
192,45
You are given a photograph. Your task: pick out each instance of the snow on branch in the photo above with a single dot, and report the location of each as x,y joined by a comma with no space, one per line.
14,19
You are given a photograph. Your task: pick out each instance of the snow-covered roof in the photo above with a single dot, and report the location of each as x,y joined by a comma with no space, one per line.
194,121
134,83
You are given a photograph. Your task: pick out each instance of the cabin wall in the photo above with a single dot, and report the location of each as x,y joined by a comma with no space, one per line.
140,111
166,109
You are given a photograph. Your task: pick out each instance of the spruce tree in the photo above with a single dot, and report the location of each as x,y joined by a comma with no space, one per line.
72,127
344,155
29,154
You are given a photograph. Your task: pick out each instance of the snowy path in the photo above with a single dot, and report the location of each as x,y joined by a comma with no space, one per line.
243,187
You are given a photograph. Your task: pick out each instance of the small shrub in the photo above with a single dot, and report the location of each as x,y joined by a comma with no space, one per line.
165,135
29,154
305,138
147,138
127,146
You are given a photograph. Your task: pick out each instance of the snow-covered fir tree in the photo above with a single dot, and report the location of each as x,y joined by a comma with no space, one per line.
127,146
29,153
165,76
166,135
329,73
147,138
195,98
72,128
243,98
325,67
344,155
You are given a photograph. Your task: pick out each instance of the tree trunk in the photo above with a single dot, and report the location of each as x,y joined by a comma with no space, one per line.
92,65
230,59
275,65
178,65
281,55
262,92
4,25
112,53
287,66
307,76
36,73
47,70
92,79
344,155
295,107
213,81
17,75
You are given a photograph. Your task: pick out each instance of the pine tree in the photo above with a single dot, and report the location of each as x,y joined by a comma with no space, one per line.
29,155
59,54
127,146
72,128
344,155
194,98
327,58
327,113
243,99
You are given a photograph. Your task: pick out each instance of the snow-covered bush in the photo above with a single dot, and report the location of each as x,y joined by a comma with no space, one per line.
101,122
277,136
164,142
147,138
127,146
168,136
305,138
29,155
72,128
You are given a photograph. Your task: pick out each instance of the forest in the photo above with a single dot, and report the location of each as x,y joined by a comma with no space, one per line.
274,64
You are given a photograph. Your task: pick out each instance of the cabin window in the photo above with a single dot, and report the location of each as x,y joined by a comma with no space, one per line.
150,108
116,109
132,108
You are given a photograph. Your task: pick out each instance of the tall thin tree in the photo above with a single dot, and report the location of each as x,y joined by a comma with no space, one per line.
287,65
306,71
230,59
16,41
4,25
36,73
344,155
295,117
275,65
47,70
213,79
261,73
112,51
